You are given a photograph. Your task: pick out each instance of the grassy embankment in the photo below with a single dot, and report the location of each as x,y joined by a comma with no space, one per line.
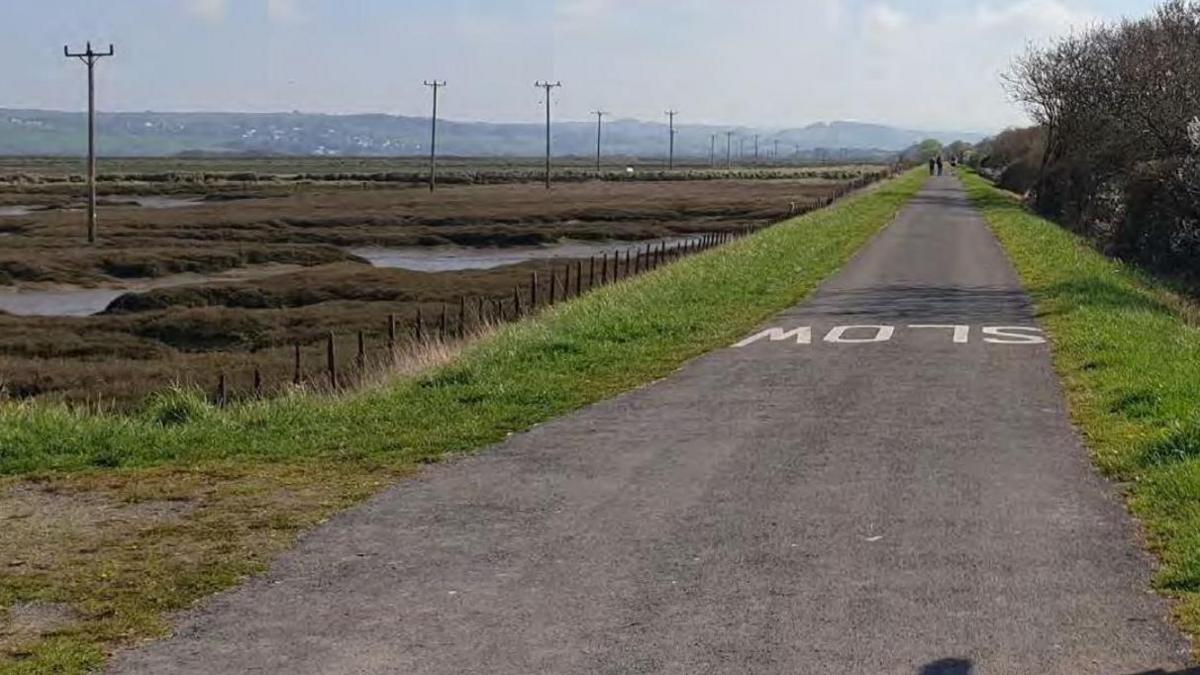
1128,350
112,522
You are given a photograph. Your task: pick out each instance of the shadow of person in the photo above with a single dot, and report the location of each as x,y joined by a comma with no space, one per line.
947,667
1186,671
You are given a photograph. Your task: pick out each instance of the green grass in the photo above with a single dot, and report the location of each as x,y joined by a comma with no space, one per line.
221,492
1128,350
609,341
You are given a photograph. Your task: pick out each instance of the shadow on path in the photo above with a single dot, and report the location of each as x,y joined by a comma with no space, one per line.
947,667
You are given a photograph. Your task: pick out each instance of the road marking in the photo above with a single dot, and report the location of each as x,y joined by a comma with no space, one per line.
1004,335
962,334
803,336
882,334
869,334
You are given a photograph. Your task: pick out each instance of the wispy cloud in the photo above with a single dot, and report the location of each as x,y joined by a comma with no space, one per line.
883,18
285,11
209,10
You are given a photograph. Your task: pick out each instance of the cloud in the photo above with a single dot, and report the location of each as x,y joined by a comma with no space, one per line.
883,18
209,10
581,9
1041,15
285,11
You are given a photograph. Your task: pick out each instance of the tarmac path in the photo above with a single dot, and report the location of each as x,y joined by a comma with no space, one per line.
853,493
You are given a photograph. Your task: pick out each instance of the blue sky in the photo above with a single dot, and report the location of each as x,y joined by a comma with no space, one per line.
927,63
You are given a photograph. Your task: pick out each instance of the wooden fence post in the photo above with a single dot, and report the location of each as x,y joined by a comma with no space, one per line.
604,270
258,383
419,325
516,302
222,391
360,359
553,286
591,273
297,375
442,324
462,317
392,335
578,278
533,289
331,362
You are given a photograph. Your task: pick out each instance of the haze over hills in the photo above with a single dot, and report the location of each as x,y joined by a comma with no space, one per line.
43,132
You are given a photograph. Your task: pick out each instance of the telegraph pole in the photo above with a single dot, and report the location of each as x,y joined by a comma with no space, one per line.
434,85
548,86
728,150
599,124
776,158
712,150
671,128
756,148
90,58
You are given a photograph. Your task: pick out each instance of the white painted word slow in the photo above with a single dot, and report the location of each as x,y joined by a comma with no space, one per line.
867,334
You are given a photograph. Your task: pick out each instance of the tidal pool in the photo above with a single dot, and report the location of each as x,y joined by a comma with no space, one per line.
61,300
454,258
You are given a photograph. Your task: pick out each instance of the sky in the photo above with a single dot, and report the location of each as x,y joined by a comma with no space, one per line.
924,64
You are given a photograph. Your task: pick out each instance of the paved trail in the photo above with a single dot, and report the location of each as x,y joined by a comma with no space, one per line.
914,505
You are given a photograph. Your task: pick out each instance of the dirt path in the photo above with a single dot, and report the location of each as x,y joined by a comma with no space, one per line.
904,496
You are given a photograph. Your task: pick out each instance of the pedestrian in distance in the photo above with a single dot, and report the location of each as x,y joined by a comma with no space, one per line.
939,165
932,166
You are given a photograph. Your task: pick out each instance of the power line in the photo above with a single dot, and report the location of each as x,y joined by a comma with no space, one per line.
671,153
548,86
599,123
90,57
433,120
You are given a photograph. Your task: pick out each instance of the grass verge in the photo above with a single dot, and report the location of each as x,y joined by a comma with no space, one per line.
1128,350
112,522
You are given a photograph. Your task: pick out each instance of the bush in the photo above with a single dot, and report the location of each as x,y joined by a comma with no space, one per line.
1113,155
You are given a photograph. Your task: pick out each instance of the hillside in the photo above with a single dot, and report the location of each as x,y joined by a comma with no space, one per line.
41,132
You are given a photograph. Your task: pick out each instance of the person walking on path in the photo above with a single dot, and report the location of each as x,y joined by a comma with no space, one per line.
932,165
939,165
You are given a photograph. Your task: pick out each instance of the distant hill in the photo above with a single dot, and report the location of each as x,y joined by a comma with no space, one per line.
43,132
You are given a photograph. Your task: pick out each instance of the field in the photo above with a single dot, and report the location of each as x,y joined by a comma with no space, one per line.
117,521
227,266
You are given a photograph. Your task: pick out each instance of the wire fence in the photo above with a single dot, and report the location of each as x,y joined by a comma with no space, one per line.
348,361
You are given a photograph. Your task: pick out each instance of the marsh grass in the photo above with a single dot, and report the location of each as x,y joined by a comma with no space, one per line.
191,499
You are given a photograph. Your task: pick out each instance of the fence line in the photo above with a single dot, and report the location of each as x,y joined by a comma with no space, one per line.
637,261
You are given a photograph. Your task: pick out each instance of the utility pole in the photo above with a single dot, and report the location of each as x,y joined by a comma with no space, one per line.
90,58
712,150
548,86
741,150
728,150
776,158
756,148
599,123
671,129
434,85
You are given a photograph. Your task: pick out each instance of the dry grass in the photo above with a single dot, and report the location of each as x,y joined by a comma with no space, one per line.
190,500
189,335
